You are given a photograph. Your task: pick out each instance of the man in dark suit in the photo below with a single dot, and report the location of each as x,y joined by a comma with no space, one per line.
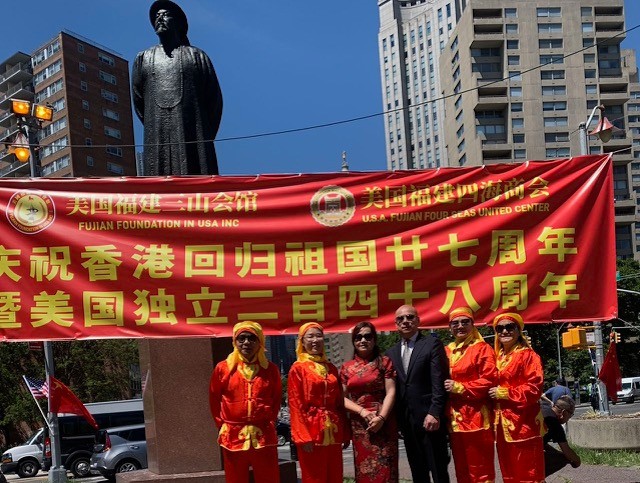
422,367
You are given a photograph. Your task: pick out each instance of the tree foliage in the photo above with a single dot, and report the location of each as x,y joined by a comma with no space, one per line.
94,370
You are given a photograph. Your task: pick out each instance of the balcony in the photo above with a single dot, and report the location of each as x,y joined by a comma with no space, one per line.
18,73
624,200
488,32
15,169
23,90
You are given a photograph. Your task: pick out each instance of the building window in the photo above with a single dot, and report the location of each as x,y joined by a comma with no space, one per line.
52,128
115,168
554,106
518,138
58,105
48,91
87,123
517,123
552,59
554,90
106,59
520,154
513,44
515,75
550,43
111,132
591,89
47,72
556,137
511,28
83,86
516,107
90,161
88,141
551,74
549,28
82,67
80,48
585,11
515,91
460,132
110,78
85,105
589,73
108,95
510,12
557,153
555,122
588,42
589,58
513,60
587,27
114,151
548,12
111,114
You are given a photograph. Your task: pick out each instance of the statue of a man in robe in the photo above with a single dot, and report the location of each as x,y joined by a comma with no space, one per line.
177,97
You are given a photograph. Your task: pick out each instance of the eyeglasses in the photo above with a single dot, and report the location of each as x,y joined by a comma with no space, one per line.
409,317
242,338
461,323
368,336
508,327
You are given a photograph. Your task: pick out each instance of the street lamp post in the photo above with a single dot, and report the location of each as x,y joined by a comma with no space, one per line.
25,113
604,131
558,346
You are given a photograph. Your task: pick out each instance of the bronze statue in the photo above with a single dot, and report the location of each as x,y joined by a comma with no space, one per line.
177,97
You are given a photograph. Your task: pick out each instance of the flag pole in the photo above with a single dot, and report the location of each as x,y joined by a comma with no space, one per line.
46,421
57,473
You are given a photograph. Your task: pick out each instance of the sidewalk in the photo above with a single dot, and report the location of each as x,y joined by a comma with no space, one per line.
583,474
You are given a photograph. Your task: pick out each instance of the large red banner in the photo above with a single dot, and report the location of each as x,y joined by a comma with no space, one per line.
191,256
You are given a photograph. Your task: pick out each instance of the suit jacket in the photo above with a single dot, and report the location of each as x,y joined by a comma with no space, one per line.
420,391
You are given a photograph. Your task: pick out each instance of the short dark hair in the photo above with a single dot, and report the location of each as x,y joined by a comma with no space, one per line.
362,325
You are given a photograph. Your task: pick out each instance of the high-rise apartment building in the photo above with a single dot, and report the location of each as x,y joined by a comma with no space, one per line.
519,77
91,133
412,35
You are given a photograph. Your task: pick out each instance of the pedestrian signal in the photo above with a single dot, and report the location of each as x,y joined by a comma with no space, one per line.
575,339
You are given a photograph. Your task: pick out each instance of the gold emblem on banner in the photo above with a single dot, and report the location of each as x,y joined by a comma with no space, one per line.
30,212
333,206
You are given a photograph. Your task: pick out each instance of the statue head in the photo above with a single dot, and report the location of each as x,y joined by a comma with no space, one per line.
173,18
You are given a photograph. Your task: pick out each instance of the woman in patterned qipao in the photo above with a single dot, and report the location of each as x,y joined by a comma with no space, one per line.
319,425
518,421
472,364
368,381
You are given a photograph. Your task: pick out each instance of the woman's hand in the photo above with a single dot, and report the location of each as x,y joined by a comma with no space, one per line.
375,424
448,385
307,447
367,415
493,392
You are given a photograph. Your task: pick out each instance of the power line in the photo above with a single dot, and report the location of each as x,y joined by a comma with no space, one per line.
353,119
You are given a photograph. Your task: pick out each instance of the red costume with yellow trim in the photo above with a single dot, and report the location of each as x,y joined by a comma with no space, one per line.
518,420
317,415
472,364
245,400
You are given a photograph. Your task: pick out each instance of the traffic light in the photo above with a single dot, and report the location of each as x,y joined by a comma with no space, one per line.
615,337
574,339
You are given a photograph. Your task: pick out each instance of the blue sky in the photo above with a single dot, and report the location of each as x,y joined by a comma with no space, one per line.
282,65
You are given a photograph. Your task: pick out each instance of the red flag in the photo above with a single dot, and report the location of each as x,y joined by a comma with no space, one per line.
610,373
63,400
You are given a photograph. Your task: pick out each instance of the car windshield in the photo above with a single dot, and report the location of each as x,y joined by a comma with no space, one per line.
33,437
626,385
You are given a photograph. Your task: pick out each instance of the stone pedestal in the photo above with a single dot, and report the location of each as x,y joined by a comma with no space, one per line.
181,435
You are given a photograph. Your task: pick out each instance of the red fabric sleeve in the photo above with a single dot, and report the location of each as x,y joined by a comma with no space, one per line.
215,393
530,390
297,398
485,365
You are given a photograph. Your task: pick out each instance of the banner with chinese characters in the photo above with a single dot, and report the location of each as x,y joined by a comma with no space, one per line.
191,256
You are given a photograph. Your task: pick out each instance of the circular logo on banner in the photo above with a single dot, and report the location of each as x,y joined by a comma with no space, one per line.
30,212
333,206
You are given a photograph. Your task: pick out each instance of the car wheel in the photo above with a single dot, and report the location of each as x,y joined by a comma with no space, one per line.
80,467
28,469
126,466
282,440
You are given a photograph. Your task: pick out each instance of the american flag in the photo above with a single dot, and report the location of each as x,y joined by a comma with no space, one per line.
38,388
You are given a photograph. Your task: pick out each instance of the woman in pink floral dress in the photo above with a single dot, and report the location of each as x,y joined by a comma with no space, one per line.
369,385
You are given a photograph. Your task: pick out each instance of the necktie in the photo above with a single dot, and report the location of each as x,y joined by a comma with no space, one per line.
406,356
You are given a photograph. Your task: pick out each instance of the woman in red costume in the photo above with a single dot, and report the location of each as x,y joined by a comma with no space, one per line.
368,381
318,419
245,394
473,371
518,420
